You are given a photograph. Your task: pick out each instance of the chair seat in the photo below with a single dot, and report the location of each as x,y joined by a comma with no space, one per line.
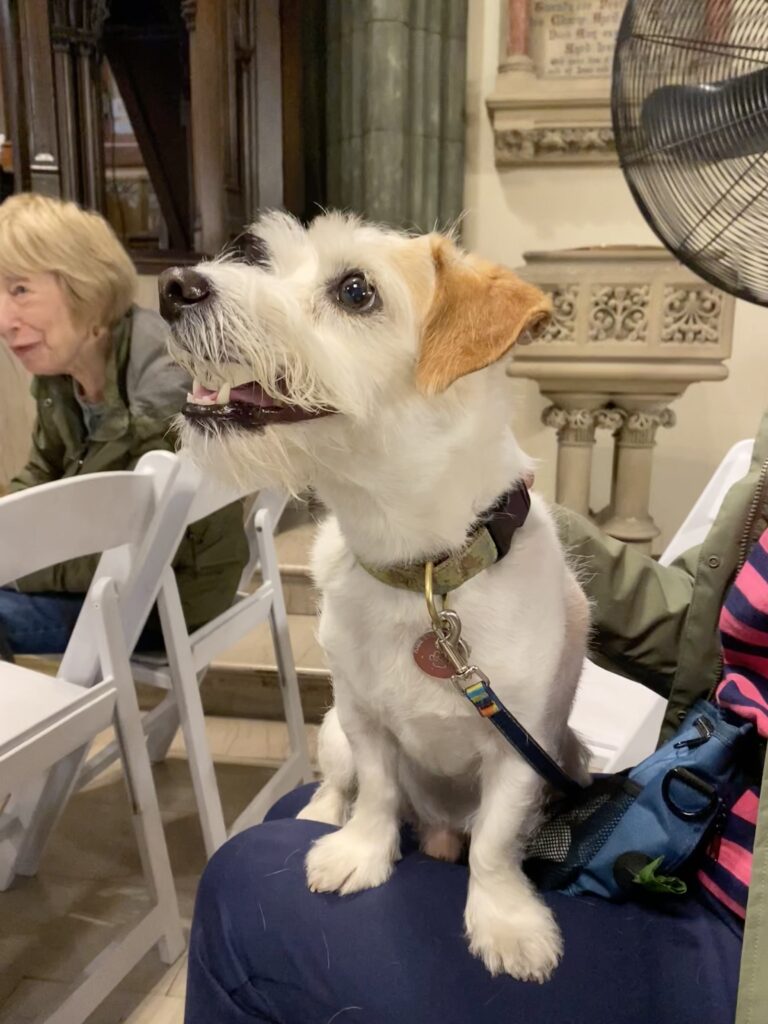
618,719
31,704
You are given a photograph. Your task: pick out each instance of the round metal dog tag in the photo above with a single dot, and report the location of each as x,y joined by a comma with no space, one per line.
430,658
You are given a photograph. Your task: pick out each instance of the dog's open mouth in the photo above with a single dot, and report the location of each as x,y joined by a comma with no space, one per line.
245,404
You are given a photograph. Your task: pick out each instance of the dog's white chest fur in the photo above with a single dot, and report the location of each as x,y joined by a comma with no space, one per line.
513,618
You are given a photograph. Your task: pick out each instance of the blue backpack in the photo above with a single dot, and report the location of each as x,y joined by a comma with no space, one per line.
636,832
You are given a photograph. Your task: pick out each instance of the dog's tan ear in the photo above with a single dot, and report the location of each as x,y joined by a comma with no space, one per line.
478,312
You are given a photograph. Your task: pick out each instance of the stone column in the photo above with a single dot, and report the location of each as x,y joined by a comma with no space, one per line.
574,417
515,54
627,518
396,74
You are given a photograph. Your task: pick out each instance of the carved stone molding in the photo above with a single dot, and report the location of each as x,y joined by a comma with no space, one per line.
578,423
555,145
640,426
692,316
631,330
619,313
551,100
561,326
581,423
610,419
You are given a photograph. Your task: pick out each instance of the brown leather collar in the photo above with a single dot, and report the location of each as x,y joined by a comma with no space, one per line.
489,541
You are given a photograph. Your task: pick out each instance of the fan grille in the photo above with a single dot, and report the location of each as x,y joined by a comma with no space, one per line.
690,115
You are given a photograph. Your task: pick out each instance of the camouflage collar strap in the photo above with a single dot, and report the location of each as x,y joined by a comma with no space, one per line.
489,542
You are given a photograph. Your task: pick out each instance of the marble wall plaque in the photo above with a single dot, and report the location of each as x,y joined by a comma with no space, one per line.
551,104
574,37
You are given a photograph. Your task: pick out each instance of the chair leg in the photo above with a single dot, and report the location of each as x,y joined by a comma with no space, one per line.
281,639
138,774
161,734
186,688
39,809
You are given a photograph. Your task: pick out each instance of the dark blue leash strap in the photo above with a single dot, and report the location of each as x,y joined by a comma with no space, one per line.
490,707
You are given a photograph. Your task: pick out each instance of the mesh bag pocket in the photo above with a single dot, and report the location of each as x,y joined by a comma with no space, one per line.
575,830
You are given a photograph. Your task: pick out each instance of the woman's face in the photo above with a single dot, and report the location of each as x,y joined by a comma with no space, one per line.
36,323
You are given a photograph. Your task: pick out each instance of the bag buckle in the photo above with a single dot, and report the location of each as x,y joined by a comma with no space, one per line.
698,785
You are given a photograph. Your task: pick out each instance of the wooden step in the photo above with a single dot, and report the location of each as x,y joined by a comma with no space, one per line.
253,693
293,546
243,682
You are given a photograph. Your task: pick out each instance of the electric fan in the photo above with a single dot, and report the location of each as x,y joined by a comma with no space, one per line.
690,115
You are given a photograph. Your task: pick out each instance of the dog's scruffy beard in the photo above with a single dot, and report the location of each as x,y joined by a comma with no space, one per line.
283,455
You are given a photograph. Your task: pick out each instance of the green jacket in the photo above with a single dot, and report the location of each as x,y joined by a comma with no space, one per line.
659,624
143,391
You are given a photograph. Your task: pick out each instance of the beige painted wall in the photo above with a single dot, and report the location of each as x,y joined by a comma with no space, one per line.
511,211
16,416
146,296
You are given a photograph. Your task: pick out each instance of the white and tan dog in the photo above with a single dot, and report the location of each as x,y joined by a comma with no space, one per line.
366,364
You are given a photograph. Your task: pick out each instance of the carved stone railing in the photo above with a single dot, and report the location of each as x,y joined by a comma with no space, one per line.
631,329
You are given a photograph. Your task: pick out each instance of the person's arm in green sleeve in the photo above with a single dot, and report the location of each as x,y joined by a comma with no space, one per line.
639,608
44,463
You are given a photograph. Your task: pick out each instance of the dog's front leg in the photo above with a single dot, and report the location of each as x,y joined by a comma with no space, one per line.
509,927
362,853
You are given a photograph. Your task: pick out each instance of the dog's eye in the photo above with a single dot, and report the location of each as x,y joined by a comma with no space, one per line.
356,293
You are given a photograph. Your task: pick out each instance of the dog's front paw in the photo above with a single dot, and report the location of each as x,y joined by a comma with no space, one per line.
518,937
328,806
346,862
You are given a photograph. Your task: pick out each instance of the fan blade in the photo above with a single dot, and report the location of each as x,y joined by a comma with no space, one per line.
718,121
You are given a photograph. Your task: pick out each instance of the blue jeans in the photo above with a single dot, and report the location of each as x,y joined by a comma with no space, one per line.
264,948
43,623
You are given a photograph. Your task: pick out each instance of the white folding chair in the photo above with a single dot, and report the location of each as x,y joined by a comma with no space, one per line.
46,724
699,520
619,719
187,658
137,569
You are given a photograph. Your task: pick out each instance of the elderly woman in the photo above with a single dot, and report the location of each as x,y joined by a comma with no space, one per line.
106,393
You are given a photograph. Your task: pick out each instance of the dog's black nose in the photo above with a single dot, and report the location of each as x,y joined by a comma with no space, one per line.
180,288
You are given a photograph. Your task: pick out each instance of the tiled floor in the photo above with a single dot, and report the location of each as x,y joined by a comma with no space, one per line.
52,925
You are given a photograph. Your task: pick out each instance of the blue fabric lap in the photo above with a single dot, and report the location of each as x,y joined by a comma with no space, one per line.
264,948
43,623
38,623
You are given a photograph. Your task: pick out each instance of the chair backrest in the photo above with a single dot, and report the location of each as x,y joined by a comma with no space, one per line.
211,495
135,519
71,518
697,523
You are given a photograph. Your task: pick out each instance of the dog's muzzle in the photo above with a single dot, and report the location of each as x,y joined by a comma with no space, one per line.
217,400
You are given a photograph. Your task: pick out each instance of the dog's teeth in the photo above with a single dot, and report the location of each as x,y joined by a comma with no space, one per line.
223,396
208,381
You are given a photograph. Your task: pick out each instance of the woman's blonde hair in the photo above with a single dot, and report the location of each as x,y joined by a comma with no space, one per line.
39,234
